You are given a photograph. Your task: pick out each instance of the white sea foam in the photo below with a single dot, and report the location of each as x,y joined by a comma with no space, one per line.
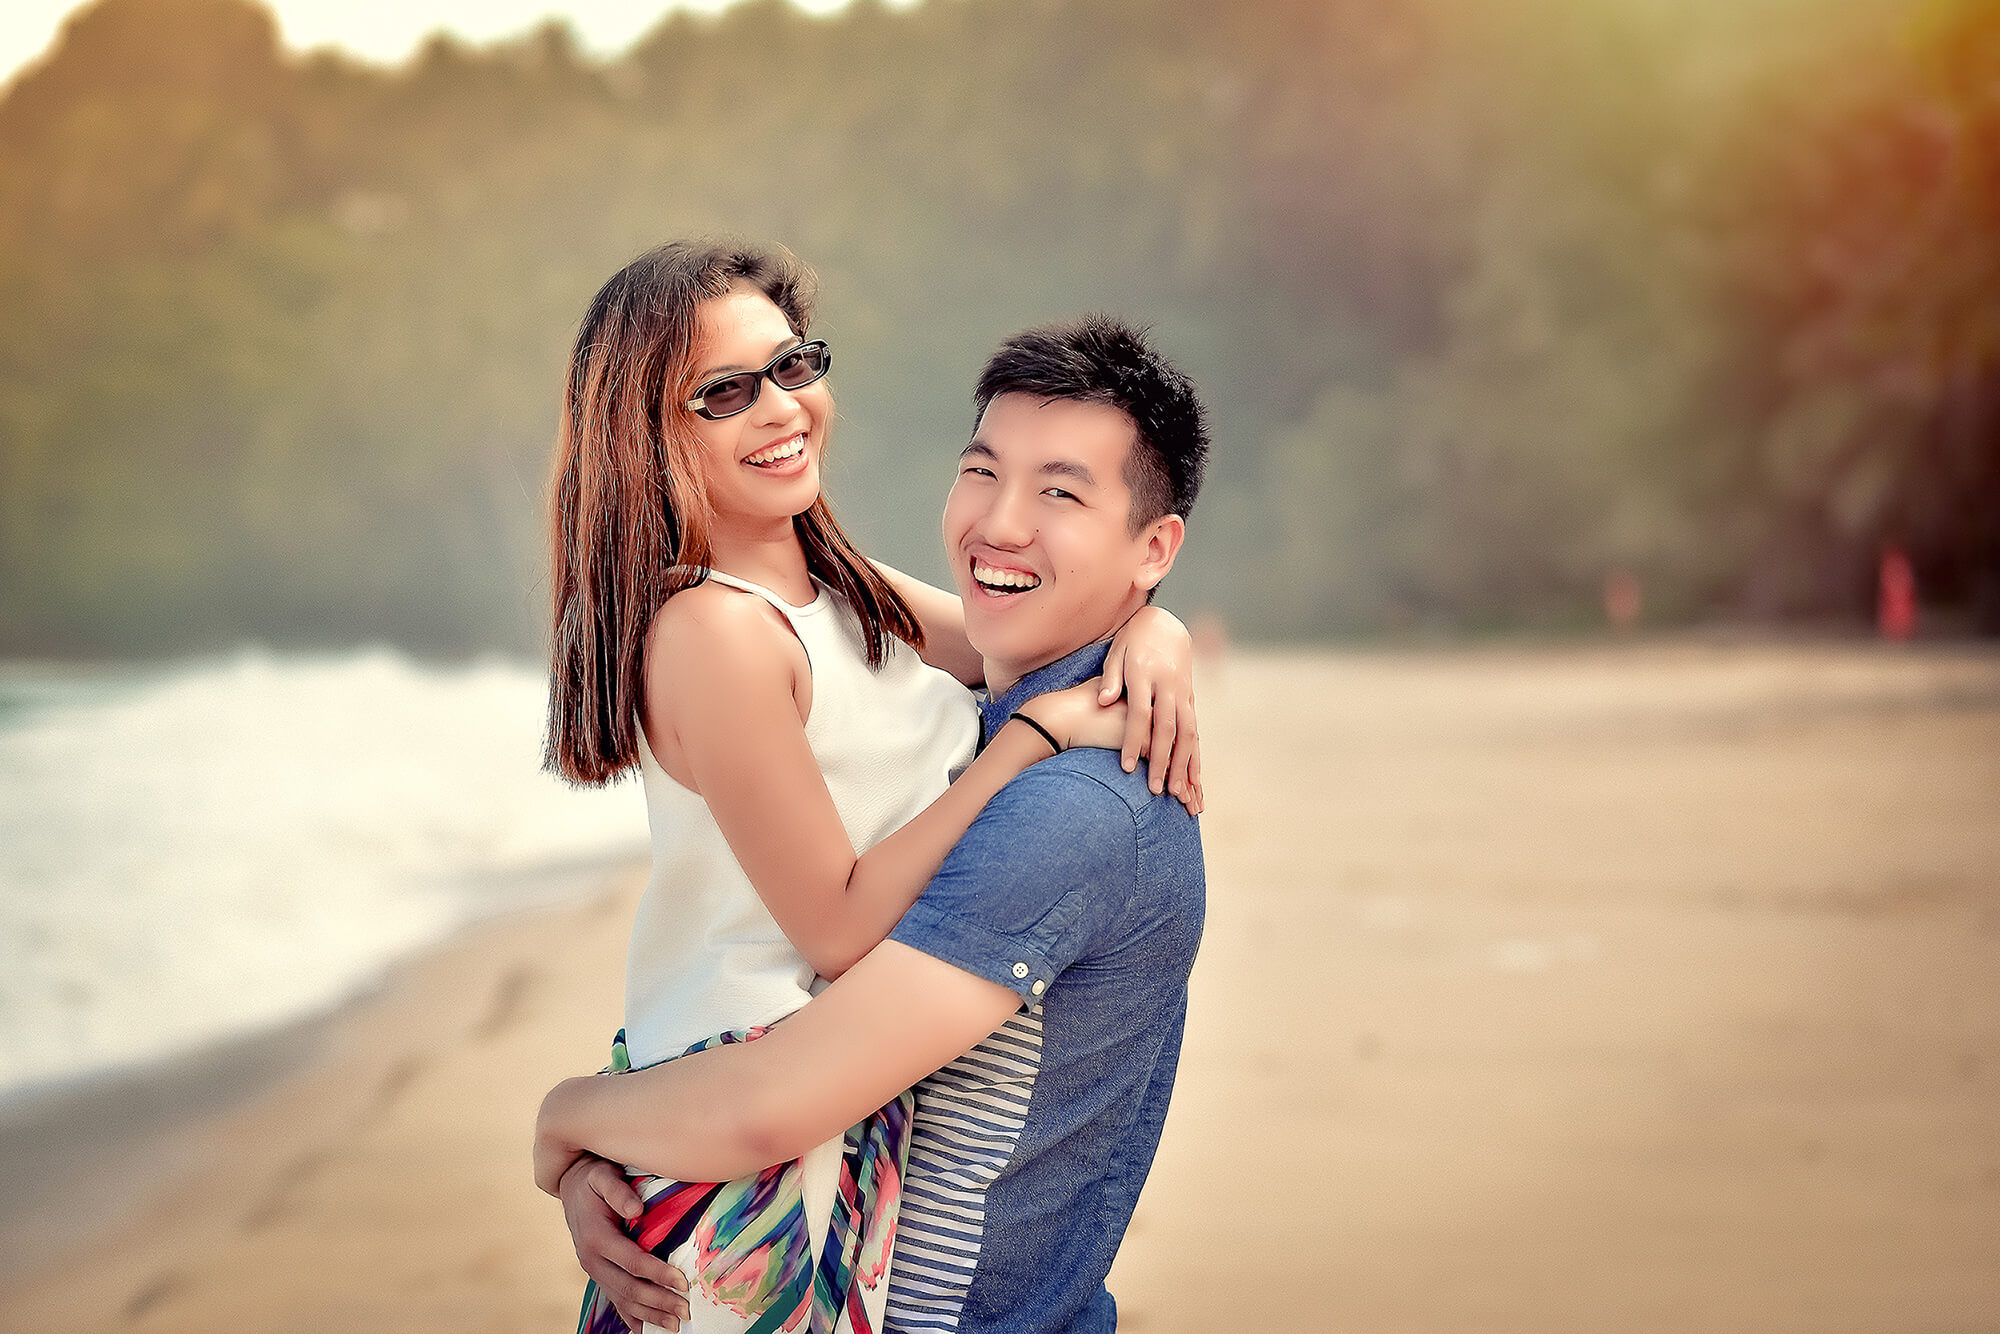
194,853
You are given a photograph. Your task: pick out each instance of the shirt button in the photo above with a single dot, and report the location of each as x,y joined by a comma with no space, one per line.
1039,987
1020,970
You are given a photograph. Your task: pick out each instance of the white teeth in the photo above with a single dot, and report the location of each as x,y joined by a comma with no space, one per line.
994,577
784,449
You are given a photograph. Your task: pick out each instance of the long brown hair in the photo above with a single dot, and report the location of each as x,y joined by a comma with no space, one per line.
629,511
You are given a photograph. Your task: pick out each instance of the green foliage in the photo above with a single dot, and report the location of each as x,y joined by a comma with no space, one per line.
1865,267
1488,300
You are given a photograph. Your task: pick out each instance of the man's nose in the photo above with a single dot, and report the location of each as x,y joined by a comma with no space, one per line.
1009,521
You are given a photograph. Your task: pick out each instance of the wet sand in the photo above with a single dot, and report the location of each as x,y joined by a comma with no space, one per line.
1650,987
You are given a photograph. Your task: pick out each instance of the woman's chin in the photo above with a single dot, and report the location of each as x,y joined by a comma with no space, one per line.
802,493
771,503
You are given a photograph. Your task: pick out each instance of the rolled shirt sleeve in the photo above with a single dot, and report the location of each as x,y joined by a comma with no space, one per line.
1035,884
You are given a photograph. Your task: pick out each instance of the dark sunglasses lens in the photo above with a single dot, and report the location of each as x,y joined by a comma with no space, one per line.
727,397
801,368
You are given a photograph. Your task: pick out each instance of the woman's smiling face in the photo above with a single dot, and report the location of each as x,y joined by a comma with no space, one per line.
762,464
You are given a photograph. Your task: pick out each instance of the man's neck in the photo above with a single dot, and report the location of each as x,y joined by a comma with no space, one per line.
1002,677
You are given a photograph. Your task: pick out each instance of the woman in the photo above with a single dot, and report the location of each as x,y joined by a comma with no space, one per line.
716,630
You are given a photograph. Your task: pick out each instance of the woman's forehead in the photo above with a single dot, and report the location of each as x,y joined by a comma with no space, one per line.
739,329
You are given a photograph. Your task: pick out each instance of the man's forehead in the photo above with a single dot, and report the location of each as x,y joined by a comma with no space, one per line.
1039,429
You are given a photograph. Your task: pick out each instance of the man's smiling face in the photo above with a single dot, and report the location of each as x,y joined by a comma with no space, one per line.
1038,529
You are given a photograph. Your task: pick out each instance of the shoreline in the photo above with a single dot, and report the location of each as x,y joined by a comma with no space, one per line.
1541,992
161,1186
123,1137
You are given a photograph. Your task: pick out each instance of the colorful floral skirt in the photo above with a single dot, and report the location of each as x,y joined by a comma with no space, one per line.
748,1247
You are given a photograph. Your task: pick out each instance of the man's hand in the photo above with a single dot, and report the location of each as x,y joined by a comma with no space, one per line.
597,1201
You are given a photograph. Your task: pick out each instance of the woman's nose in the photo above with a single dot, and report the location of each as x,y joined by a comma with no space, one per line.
774,404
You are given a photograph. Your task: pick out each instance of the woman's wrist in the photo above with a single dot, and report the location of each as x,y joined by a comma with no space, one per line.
1056,745
1033,745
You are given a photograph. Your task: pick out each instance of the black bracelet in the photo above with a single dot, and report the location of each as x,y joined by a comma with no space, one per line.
1046,736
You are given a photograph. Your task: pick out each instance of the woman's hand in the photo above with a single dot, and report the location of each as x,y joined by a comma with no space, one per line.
1152,663
597,1203
1077,717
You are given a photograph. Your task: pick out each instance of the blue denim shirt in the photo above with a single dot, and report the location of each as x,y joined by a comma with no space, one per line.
1082,892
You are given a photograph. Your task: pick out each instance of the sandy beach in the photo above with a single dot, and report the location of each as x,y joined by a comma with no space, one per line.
1644,987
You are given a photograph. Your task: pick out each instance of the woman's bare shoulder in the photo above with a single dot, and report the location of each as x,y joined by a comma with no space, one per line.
709,609
712,625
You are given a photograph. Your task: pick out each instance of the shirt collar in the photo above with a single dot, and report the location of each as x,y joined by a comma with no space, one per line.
1061,674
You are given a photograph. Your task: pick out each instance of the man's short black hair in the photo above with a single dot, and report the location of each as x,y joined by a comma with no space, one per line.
1098,359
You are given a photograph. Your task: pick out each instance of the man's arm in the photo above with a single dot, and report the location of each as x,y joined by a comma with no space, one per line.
1000,921
895,1017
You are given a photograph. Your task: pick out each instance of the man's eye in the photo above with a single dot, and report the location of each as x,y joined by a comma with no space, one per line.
974,470
1058,492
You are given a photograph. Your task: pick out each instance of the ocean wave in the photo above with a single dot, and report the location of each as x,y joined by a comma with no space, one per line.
192,853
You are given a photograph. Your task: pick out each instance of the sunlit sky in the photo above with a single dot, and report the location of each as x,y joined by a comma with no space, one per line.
388,30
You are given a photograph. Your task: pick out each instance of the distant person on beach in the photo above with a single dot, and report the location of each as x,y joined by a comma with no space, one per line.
1038,988
717,631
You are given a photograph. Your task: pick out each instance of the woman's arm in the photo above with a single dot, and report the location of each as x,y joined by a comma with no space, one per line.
1151,662
723,674
942,616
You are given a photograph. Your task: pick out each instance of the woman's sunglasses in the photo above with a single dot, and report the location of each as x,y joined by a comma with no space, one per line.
794,368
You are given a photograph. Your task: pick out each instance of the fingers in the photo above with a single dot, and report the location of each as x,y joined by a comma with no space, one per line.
614,1188
1113,680
1186,746
1139,709
1189,800
644,1274
642,1286
638,1306
1159,757
638,1298
637,1315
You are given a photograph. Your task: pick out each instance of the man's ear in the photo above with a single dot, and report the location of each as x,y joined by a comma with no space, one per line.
1163,540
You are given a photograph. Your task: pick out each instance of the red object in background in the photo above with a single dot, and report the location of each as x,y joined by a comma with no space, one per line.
1624,599
1896,599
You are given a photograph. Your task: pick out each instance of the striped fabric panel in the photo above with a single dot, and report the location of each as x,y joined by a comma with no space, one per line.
969,1117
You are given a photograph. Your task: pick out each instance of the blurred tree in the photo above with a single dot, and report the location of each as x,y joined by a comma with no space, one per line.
1867,265
1487,300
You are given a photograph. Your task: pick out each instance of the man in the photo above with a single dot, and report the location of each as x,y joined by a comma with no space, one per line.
1039,987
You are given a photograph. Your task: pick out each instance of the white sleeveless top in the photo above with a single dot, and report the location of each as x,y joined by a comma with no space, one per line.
706,956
